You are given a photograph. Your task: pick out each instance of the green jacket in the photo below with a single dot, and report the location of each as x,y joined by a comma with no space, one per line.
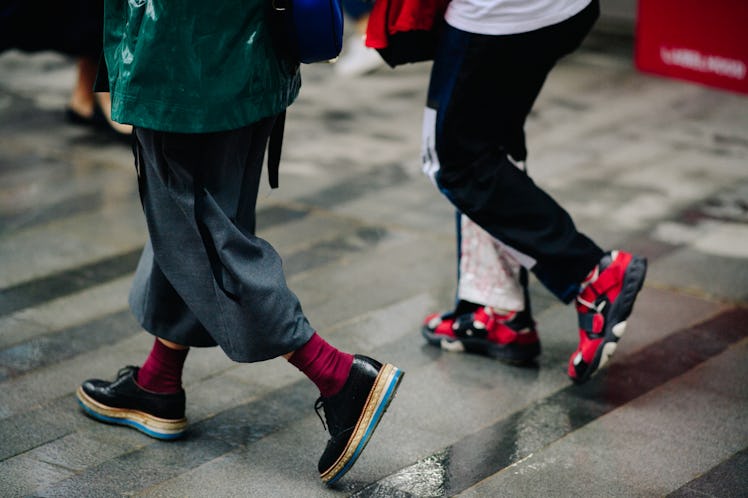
194,66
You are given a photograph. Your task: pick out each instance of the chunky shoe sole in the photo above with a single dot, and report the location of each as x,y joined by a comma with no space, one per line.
615,324
155,427
510,353
381,394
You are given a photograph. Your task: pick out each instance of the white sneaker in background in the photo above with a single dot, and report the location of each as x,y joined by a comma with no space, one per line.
357,59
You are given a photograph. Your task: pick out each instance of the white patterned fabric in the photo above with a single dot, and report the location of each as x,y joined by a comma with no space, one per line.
489,274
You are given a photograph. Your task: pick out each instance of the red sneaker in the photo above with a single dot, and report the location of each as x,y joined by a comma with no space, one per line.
511,337
603,306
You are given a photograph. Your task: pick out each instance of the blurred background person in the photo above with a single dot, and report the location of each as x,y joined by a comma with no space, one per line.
75,29
356,58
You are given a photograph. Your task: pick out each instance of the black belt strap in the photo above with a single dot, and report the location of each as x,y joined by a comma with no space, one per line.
275,144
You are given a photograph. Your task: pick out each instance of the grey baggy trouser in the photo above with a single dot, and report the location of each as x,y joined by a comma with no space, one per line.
204,278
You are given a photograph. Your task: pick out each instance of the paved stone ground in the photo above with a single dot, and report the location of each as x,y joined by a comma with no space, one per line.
652,165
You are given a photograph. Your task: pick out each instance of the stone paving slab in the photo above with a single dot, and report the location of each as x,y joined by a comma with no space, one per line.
729,479
61,313
672,430
494,449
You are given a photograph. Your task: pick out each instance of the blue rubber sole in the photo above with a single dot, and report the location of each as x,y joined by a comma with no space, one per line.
129,418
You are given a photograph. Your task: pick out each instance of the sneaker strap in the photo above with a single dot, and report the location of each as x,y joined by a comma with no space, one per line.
605,281
591,322
503,316
603,277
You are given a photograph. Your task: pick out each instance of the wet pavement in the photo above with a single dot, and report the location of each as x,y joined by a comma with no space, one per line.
651,165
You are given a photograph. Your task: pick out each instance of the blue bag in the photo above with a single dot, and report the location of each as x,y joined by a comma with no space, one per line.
313,29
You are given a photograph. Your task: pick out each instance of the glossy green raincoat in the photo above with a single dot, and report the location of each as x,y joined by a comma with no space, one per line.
194,66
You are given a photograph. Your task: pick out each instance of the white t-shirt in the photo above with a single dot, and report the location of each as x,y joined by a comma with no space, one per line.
506,17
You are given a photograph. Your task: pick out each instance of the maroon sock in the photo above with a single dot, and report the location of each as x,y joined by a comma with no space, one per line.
326,366
162,371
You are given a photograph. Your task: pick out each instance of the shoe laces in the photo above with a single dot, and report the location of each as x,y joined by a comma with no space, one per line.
478,319
125,370
320,404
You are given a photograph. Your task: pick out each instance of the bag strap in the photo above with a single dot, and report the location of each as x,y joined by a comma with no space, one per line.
275,144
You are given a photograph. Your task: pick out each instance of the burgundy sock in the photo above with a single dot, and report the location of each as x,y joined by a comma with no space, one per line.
162,371
326,366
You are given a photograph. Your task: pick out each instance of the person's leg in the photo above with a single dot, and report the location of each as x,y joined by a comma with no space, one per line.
88,108
144,397
482,87
150,398
492,315
104,103
82,97
162,371
323,364
357,59
488,275
199,193
160,310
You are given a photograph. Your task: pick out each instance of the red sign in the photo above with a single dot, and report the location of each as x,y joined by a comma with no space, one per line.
705,41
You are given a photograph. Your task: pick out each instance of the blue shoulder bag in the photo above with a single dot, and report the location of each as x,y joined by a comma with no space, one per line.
304,31
312,30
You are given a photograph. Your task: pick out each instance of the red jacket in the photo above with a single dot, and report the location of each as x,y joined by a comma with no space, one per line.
396,16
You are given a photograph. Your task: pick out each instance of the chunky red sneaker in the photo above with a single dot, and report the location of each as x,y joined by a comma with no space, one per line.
440,324
603,305
511,337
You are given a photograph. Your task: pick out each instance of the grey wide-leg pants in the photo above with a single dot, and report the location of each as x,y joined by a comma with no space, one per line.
204,278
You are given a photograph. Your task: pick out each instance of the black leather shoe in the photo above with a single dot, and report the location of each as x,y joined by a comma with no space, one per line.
124,402
354,412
